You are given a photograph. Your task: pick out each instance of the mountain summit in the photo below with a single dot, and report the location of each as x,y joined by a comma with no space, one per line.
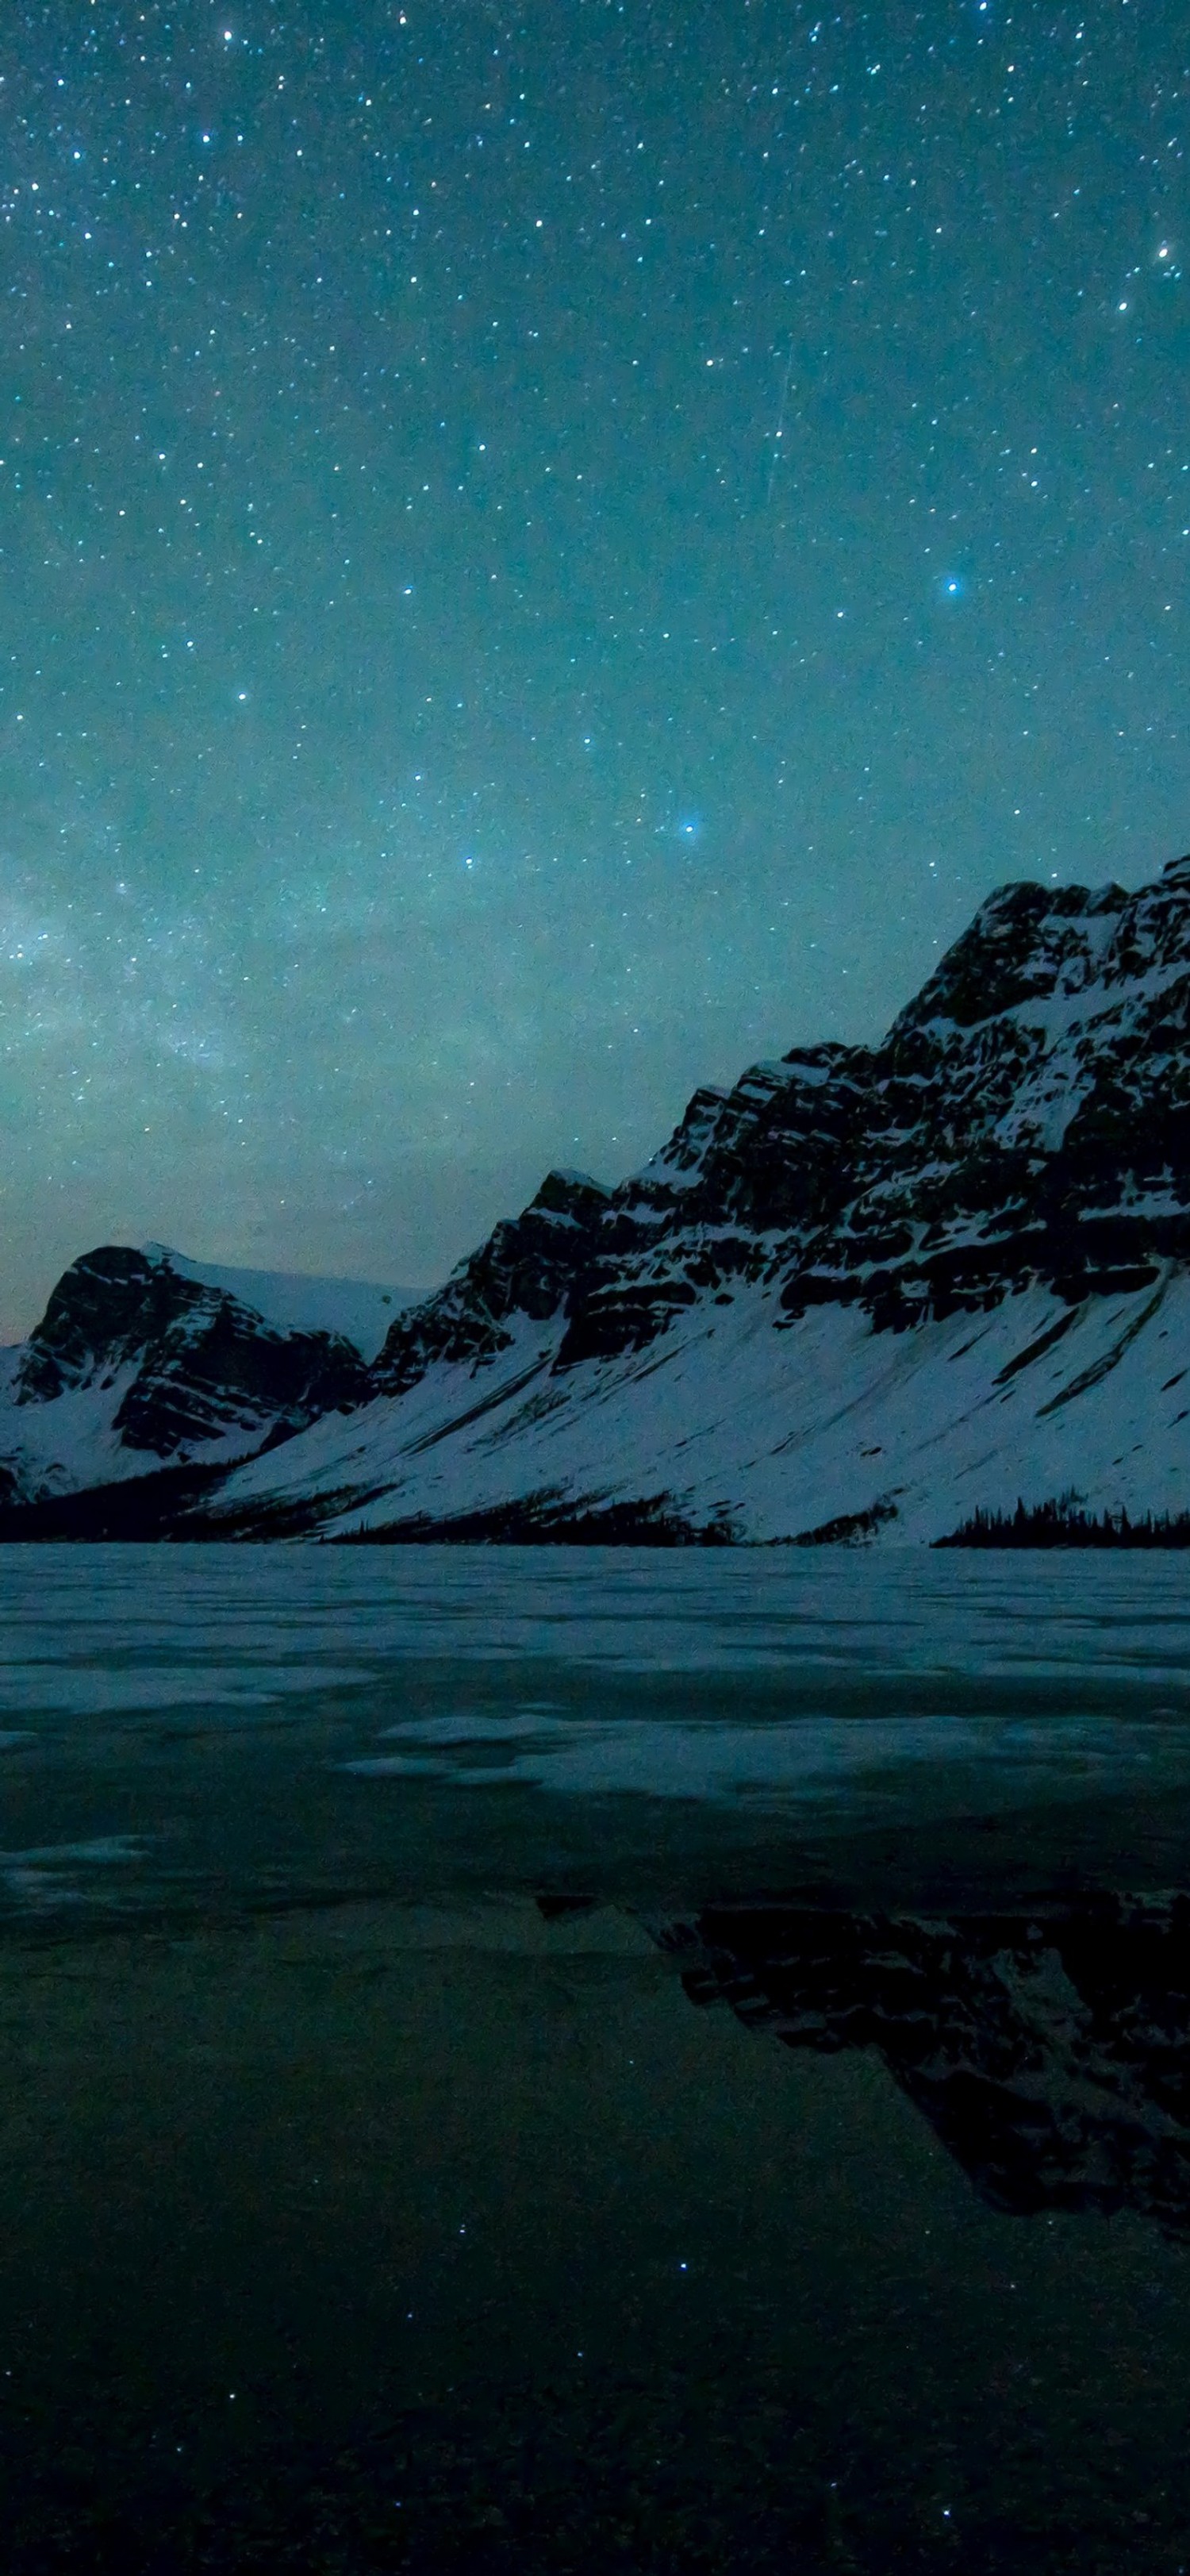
867,1291
145,1360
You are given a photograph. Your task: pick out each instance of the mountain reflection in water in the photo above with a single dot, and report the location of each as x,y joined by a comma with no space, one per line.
1050,2052
373,2202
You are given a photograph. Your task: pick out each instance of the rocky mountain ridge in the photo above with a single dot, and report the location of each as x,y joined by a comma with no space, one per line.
142,1361
1027,1117
861,1293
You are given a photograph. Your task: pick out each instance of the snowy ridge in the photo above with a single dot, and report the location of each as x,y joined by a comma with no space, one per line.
359,1310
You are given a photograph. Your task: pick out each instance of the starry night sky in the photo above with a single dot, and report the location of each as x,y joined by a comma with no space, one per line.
548,553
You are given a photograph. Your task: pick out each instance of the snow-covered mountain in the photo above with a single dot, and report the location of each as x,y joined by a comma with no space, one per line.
144,1359
862,1294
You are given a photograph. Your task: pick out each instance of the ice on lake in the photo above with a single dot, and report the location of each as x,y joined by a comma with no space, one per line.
531,2060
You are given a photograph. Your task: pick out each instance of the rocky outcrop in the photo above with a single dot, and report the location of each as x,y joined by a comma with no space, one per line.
527,1268
746,1182
1028,1113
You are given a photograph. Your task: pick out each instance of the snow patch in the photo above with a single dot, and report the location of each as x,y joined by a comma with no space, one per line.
296,1302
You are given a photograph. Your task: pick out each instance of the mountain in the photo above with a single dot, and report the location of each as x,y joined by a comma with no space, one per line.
360,1311
144,1360
866,1293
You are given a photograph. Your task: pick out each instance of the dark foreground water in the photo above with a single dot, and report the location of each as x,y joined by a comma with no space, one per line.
559,2060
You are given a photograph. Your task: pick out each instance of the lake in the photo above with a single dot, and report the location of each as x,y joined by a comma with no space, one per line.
582,2060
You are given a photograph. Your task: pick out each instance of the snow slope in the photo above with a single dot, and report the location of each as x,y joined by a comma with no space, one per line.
733,1424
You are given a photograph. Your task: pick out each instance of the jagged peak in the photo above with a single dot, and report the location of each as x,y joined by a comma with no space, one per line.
687,1143
1022,941
570,1194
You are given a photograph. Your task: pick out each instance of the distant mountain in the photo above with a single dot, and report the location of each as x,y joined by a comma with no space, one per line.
867,1293
144,1360
294,1301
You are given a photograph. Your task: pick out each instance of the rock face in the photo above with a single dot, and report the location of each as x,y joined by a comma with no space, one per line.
1049,2052
1027,1118
527,1269
1028,1113
135,1364
864,1293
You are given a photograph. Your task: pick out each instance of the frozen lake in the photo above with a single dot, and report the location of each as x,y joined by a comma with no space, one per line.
207,1726
574,2059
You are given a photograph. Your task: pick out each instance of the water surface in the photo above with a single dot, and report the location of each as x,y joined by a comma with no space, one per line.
570,2059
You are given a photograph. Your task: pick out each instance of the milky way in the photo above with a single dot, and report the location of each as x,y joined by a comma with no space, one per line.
546,554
